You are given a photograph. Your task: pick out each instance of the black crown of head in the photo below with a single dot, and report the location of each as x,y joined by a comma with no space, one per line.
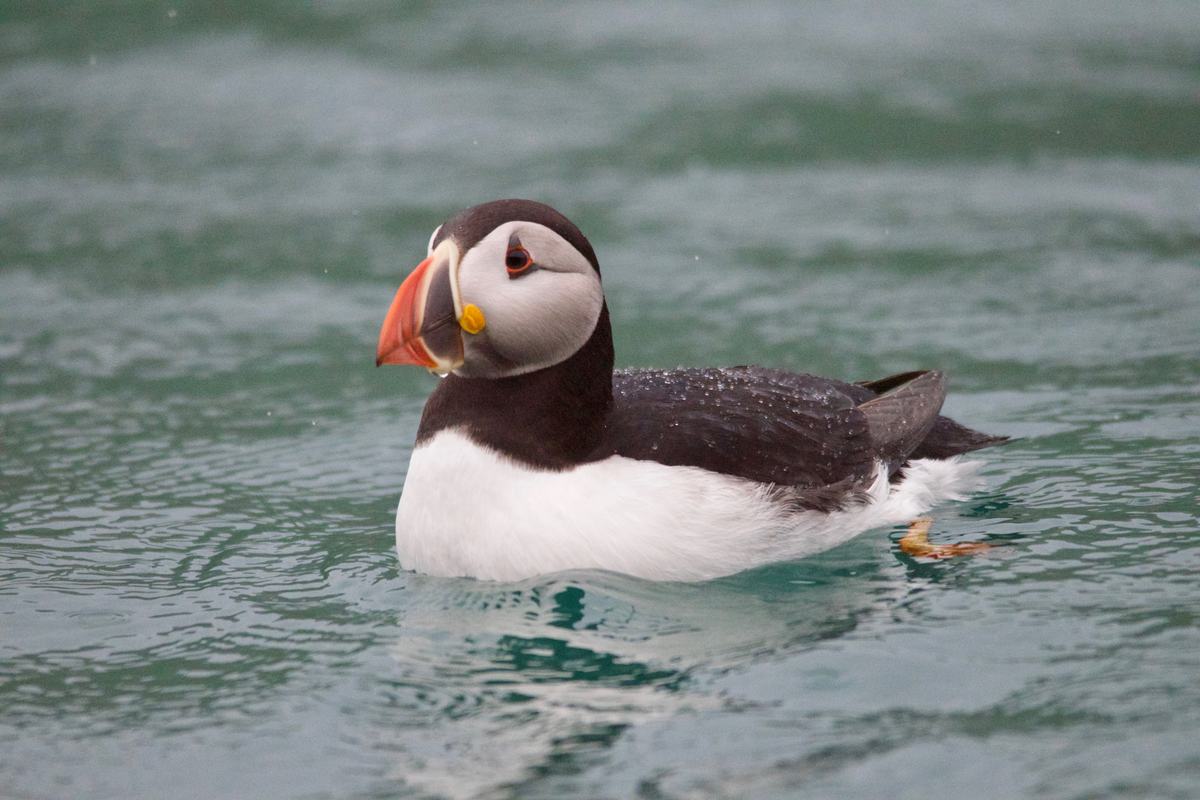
472,224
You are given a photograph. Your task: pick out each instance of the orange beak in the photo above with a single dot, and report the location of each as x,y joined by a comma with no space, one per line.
398,339
421,327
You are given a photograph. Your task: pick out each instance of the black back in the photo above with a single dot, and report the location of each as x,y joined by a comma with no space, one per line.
767,425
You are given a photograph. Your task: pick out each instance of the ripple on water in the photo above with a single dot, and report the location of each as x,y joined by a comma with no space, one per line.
205,215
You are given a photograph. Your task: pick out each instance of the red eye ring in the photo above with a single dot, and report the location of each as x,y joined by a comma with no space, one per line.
517,261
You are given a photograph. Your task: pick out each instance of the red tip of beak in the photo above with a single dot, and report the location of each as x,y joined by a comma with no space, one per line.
399,342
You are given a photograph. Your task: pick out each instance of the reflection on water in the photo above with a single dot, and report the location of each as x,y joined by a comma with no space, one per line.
542,679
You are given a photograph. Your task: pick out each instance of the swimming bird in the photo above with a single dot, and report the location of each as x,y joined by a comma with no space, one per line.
533,455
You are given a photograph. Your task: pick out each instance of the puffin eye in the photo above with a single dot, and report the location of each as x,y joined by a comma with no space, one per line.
517,261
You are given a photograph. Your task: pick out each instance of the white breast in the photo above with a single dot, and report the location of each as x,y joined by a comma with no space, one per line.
466,510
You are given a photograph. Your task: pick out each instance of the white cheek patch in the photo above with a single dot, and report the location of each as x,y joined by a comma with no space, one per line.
547,321
535,320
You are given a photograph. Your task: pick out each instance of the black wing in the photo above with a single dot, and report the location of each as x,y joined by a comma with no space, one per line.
767,425
793,430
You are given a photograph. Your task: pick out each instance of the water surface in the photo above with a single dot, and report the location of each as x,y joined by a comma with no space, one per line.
204,214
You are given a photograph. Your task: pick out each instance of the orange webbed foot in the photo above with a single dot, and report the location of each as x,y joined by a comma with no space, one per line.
916,543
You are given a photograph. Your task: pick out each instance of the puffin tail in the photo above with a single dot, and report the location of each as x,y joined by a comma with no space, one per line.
947,438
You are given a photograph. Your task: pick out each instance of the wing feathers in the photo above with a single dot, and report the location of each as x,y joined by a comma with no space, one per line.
817,438
901,417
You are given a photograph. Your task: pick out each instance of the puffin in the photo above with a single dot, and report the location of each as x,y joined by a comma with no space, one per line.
534,455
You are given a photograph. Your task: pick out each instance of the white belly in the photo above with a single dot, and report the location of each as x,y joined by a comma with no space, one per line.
468,511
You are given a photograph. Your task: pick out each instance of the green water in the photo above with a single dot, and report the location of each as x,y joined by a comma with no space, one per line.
206,208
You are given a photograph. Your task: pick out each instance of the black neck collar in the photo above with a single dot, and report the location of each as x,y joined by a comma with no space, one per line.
552,418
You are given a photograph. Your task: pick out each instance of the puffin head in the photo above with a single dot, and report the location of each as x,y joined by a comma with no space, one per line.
506,288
